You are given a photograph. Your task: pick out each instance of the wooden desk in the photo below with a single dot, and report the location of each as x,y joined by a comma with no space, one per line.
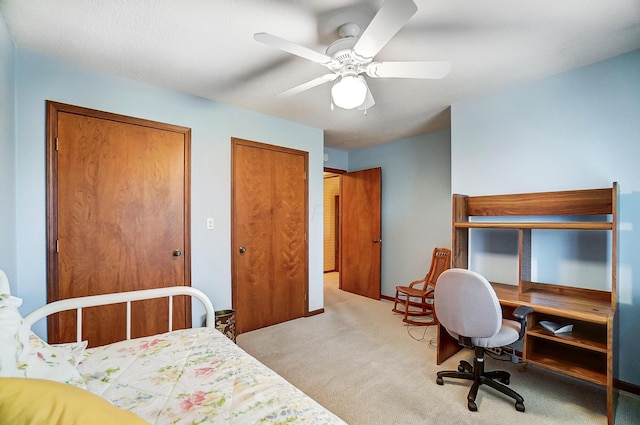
586,352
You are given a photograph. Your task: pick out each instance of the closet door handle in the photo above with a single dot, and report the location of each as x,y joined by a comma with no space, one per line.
242,250
377,240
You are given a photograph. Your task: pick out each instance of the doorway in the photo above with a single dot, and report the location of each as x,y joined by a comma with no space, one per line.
354,216
332,183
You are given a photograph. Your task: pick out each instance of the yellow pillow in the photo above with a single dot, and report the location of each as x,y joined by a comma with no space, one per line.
39,401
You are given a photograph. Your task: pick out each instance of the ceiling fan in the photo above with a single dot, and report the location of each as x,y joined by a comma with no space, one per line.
351,57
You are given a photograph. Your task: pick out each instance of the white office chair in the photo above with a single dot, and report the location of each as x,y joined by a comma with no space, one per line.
468,308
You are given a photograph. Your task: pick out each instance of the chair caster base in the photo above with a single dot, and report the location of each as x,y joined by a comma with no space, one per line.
497,379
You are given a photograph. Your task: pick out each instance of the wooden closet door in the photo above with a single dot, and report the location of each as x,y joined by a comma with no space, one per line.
269,243
120,187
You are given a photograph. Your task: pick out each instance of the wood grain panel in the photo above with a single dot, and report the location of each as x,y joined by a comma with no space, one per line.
269,203
120,191
459,236
571,202
252,180
361,224
289,230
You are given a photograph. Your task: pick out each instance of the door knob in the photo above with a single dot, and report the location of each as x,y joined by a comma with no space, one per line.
377,240
177,253
242,250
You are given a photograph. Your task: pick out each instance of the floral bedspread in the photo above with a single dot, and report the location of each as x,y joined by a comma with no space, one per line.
196,376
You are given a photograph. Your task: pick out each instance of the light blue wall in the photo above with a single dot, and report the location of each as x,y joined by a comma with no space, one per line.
39,78
416,203
7,156
336,158
579,129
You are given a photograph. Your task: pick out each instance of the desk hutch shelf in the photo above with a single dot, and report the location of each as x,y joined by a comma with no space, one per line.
587,351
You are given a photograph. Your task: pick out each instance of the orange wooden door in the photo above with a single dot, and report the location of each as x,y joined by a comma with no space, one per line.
269,245
119,219
360,235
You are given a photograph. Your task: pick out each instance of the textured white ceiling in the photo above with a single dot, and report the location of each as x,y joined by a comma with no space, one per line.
206,48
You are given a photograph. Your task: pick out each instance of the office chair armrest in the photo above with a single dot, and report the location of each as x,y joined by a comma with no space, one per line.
521,313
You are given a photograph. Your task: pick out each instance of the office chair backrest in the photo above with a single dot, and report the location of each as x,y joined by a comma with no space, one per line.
466,304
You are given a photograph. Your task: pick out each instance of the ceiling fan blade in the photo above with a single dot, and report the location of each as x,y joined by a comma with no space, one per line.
369,101
424,69
385,24
308,85
294,49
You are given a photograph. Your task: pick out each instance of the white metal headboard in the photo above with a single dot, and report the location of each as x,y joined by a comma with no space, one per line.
121,297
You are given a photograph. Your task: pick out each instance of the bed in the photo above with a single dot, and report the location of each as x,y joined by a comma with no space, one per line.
189,376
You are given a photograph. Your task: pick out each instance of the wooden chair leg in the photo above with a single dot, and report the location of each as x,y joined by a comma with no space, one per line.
406,309
400,300
426,310
420,309
395,304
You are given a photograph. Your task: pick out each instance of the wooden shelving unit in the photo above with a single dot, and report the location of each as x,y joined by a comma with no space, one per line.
587,351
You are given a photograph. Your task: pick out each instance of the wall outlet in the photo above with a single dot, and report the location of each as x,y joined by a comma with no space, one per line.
209,223
495,350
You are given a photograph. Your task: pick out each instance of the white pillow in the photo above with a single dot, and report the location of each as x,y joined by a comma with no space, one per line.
55,363
5,288
14,337
75,350
23,354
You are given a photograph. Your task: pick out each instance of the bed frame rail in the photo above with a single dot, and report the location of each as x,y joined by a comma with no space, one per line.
121,297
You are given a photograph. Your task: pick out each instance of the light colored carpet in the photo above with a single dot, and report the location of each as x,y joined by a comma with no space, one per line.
360,361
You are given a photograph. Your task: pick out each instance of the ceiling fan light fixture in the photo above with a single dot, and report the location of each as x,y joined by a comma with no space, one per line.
349,92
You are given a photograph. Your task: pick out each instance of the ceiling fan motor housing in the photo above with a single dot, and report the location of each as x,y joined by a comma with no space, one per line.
348,62
342,49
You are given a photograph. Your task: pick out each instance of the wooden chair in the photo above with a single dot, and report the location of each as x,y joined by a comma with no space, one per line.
417,298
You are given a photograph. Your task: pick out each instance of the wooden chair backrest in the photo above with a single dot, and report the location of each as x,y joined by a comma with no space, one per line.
440,261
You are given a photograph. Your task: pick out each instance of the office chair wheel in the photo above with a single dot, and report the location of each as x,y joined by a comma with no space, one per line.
505,381
519,406
461,368
439,381
474,407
